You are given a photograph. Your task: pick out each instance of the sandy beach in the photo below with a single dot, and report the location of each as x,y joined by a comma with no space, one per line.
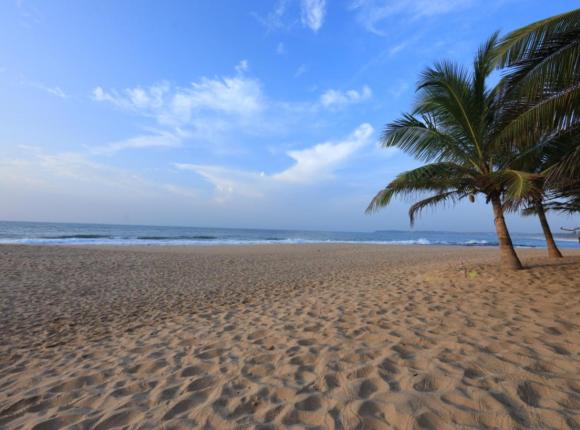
301,336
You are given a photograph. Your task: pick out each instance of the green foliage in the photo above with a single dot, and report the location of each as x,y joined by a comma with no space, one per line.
454,127
519,140
541,92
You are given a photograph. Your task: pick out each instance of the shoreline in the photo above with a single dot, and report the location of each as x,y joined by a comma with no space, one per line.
118,235
163,246
281,336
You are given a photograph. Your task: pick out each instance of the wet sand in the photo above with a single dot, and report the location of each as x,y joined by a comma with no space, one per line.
300,336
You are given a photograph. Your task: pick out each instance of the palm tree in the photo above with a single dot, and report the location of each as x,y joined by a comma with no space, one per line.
540,160
565,199
540,211
535,205
536,160
541,85
454,127
541,93
570,206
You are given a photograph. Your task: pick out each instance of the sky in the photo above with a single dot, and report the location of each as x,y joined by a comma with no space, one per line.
256,114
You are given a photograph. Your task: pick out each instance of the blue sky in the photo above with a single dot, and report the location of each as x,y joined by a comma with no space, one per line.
226,113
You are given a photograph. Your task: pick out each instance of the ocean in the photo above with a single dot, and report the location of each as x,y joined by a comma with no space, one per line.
33,233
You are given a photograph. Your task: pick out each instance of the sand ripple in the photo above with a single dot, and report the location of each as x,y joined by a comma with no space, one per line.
268,337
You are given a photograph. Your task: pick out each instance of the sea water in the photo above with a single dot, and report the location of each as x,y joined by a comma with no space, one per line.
102,234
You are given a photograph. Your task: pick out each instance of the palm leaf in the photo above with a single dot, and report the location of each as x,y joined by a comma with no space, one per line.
445,92
423,139
540,91
556,112
441,198
520,43
438,177
553,67
520,185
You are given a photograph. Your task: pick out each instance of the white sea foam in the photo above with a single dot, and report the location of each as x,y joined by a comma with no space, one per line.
125,235
217,241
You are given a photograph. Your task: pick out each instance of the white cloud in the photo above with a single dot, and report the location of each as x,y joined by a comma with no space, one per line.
237,96
70,187
300,70
398,48
56,91
161,139
176,106
370,13
74,174
29,15
274,20
311,166
399,88
424,8
280,49
320,161
139,100
242,66
313,13
205,110
229,182
214,112
337,98
52,90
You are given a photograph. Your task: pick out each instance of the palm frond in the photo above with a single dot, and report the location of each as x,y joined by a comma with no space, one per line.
554,113
570,207
423,139
482,67
520,43
547,70
441,198
566,168
540,90
446,93
566,199
435,177
521,185
381,199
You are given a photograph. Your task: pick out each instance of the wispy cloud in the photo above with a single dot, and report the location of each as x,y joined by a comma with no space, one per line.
204,110
74,173
239,96
310,166
242,66
139,100
320,161
71,187
336,98
280,49
29,15
160,139
274,20
313,13
230,182
300,70
284,15
55,91
399,88
211,111
398,48
372,13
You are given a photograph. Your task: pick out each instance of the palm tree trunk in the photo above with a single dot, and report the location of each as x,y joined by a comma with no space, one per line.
509,258
553,250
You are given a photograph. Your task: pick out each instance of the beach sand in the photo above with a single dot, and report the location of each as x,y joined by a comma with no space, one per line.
275,336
